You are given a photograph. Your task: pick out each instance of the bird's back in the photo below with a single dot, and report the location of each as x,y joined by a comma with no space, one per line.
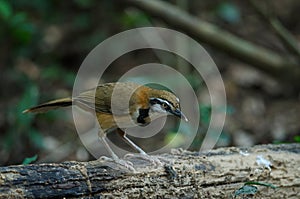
118,98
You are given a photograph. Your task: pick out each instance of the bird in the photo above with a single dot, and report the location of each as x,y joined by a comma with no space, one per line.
118,106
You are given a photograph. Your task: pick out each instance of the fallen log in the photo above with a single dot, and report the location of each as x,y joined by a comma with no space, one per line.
264,171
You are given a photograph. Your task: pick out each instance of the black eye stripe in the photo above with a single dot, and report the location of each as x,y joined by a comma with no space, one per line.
161,102
155,101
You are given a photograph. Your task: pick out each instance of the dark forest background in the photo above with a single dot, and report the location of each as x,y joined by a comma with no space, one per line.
43,44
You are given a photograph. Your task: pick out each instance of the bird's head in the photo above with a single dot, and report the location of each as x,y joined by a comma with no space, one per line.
165,102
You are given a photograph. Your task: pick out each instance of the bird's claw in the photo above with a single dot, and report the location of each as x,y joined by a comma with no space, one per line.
124,163
152,159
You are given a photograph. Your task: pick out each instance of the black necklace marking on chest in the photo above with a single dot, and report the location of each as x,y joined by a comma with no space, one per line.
143,114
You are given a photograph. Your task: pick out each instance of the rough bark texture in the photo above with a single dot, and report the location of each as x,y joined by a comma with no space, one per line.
214,174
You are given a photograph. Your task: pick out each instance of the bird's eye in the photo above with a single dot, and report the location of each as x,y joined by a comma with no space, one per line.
165,105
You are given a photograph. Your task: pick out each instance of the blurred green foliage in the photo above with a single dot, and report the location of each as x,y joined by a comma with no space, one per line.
5,10
17,27
30,160
58,73
135,18
229,12
297,138
20,125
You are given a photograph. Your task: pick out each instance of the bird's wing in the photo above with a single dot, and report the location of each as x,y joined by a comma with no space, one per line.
96,99
113,98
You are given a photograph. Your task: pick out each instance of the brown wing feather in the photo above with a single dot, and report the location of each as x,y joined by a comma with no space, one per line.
119,95
99,101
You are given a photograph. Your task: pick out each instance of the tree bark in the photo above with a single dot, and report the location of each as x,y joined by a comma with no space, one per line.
217,173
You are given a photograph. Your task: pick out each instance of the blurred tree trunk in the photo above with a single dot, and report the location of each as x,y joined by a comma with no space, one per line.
283,68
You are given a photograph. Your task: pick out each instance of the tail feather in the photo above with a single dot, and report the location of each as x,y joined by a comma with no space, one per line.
50,106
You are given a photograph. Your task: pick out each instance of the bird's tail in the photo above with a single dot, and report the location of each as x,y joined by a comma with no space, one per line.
50,106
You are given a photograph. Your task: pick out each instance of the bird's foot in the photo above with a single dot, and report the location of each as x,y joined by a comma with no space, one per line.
127,164
152,159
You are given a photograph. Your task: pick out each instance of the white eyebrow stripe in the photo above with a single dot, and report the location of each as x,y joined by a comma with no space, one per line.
163,101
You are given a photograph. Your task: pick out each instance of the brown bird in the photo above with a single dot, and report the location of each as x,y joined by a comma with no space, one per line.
120,105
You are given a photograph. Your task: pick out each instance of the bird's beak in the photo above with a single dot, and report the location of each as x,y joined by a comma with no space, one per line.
179,114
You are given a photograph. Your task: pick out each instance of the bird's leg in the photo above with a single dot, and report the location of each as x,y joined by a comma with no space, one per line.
114,156
143,154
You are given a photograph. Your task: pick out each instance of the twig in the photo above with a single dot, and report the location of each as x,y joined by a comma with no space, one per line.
284,35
